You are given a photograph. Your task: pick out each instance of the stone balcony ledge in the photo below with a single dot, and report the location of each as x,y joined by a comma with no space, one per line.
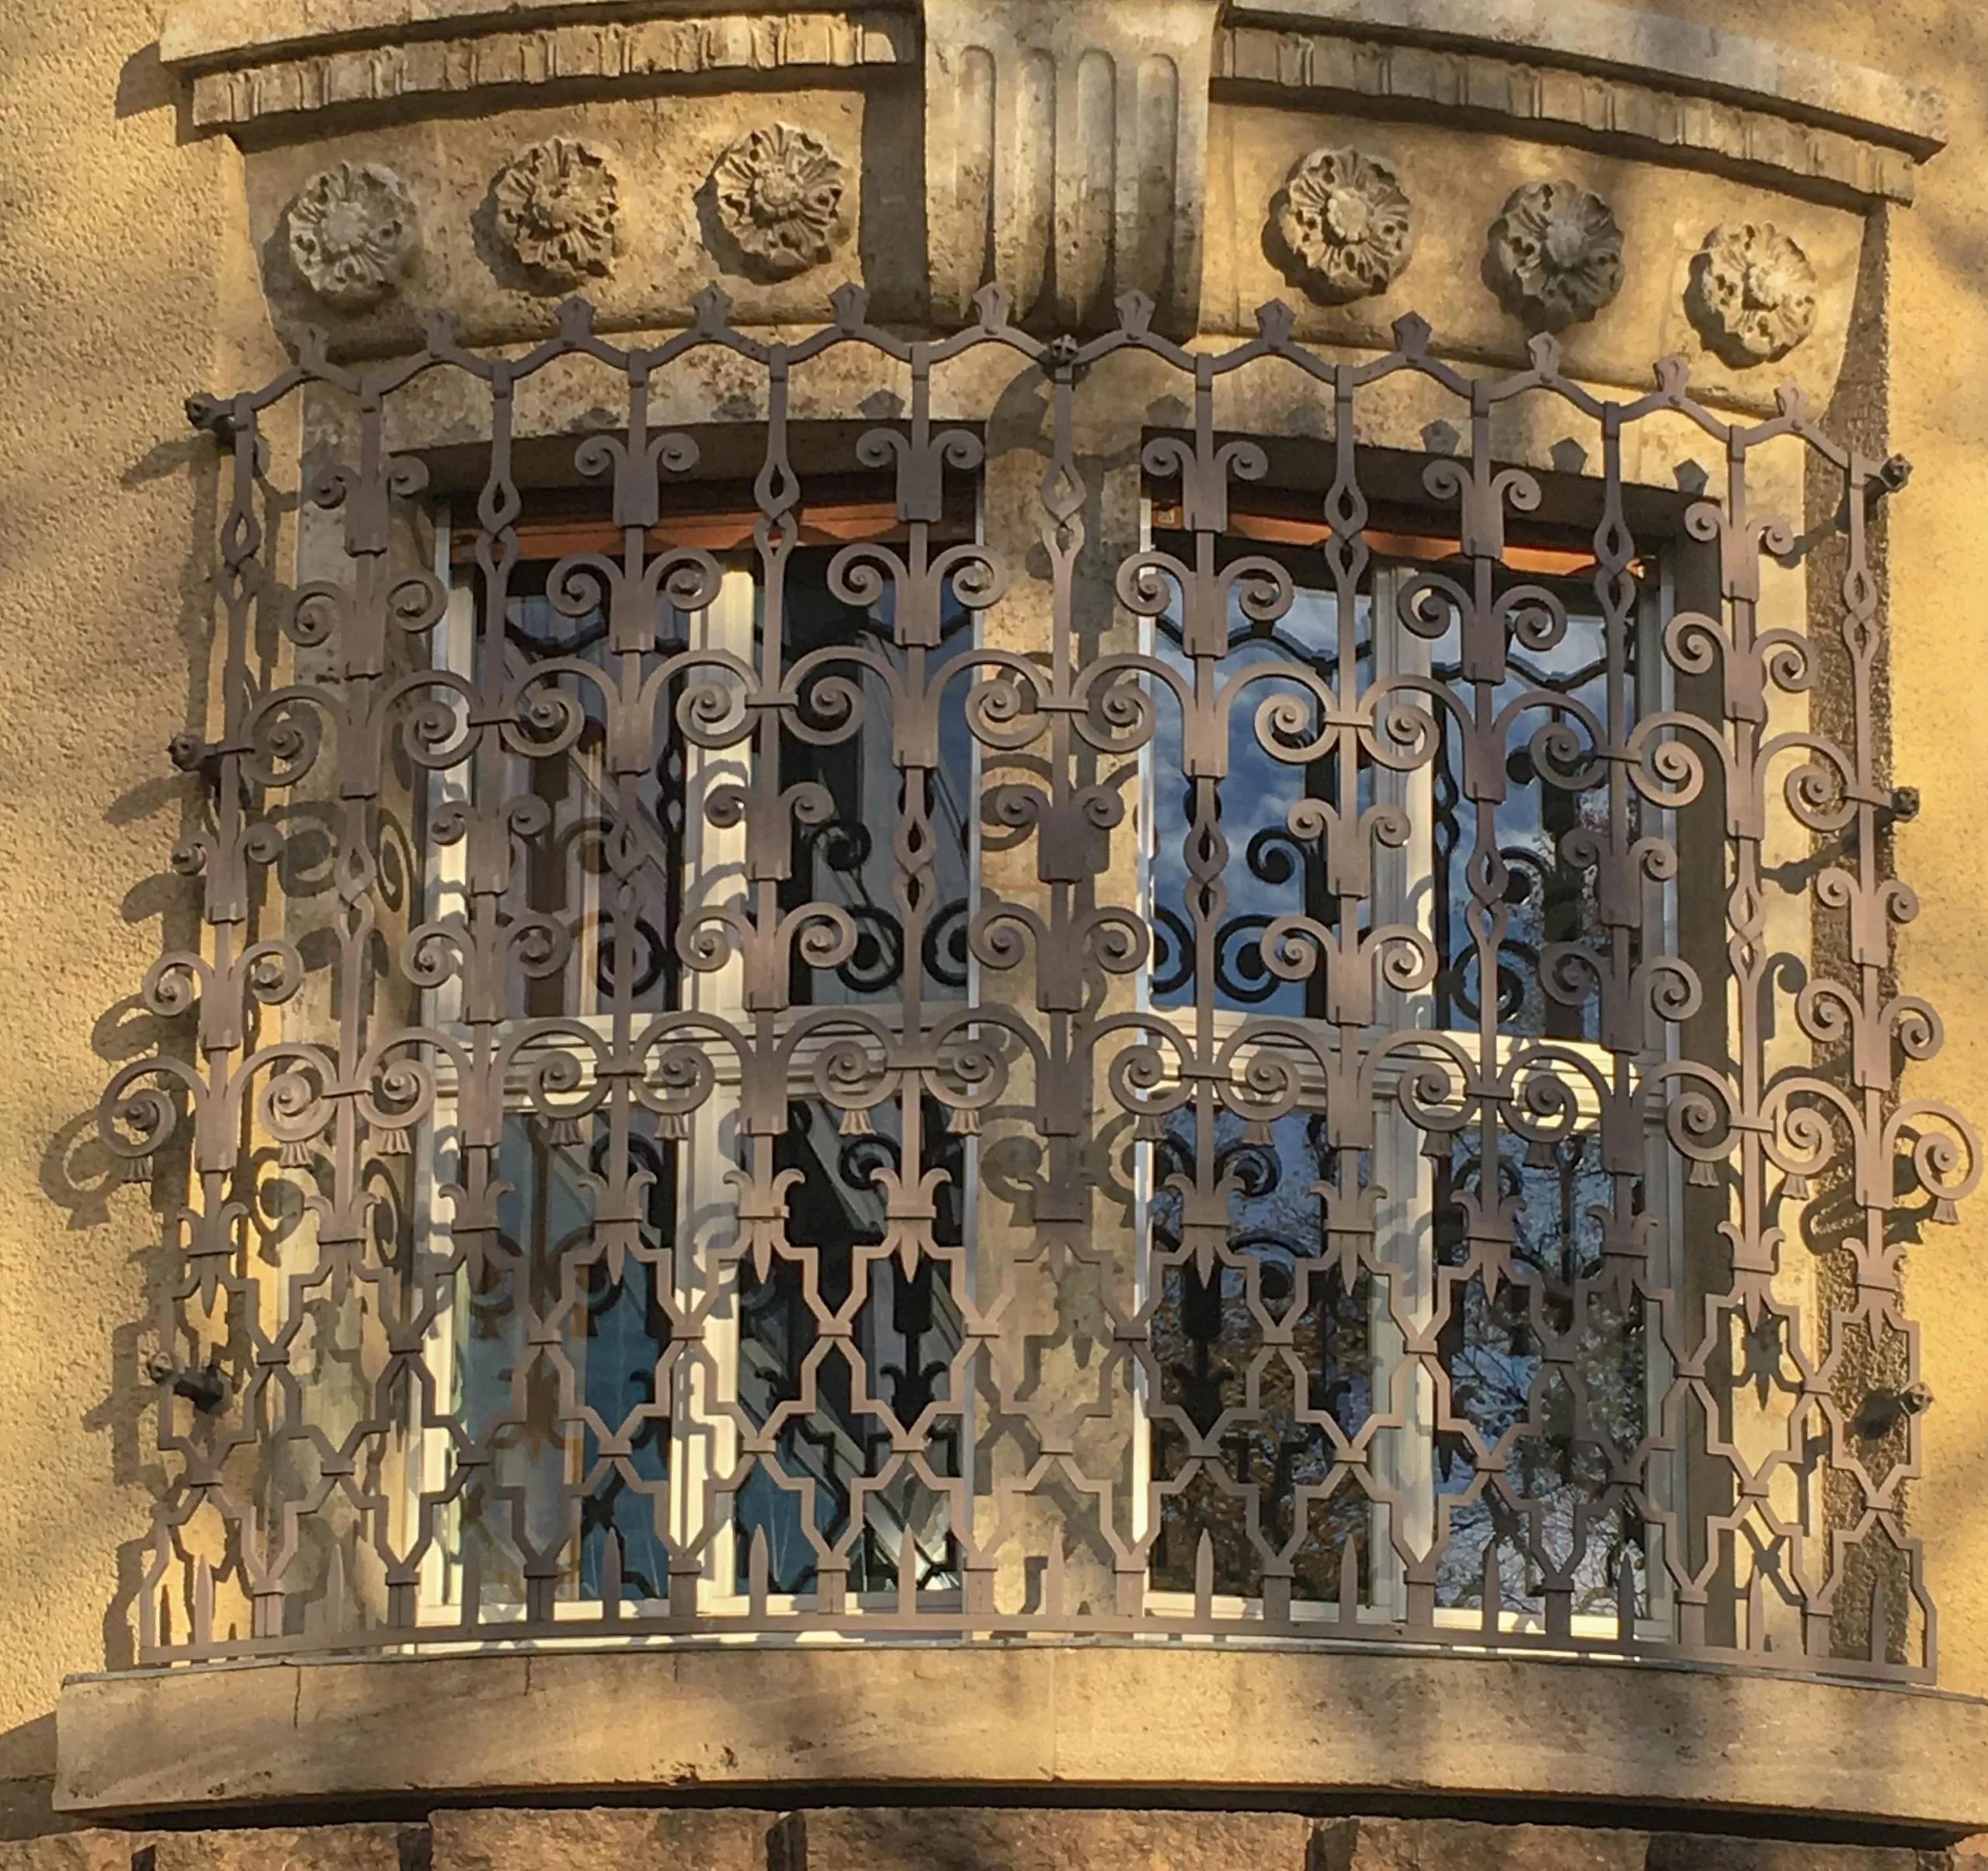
1041,1720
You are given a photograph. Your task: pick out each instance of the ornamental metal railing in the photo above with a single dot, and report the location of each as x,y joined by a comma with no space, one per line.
893,989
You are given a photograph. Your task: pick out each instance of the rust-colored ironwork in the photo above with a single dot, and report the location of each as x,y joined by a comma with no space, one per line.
1327,1081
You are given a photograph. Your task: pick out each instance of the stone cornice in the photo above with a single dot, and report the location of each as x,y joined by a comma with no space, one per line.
583,50
198,33
1647,49
1295,62
1572,68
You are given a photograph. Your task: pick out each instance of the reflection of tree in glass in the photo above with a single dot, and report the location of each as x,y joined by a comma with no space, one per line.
1209,1352
907,1330
1550,890
1552,1366
546,1270
1272,872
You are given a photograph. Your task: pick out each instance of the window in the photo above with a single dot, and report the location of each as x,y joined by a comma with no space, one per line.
1291,1423
819,1030
605,842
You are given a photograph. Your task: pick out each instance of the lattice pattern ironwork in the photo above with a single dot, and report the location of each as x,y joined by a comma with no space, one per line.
953,1066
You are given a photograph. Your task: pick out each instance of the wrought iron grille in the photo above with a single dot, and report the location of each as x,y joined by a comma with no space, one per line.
1006,1043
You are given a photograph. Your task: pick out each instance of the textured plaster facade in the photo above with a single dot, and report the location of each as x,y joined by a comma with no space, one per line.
145,252
94,152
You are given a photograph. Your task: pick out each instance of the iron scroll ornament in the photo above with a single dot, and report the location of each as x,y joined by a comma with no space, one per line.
451,1137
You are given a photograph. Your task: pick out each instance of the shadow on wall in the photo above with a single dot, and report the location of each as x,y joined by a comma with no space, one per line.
27,1781
77,1173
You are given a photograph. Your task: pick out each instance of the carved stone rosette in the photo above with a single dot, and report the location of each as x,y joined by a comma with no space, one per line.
1753,293
354,231
1344,223
558,210
779,193
1555,256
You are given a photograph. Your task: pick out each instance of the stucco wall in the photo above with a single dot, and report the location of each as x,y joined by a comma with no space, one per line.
125,263
125,246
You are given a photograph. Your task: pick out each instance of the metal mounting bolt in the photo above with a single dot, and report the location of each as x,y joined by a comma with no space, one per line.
1883,1411
205,1388
1059,357
191,754
1904,804
213,416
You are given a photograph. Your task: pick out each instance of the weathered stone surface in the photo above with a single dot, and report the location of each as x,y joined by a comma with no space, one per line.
1459,185
1652,42
1444,1844
309,1847
213,29
1753,293
27,1781
90,1850
1263,1722
1574,29
925,1838
558,209
1066,156
1694,1851
778,192
353,232
628,1839
421,71
1656,119
1344,226
1555,254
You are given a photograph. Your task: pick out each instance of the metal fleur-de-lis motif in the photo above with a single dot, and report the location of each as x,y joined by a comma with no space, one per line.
969,1003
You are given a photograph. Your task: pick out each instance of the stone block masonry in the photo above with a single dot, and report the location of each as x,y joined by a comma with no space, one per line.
934,1838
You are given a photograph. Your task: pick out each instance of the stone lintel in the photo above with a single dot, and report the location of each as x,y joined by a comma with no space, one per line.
789,1723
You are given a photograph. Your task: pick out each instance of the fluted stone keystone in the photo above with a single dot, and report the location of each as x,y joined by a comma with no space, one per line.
1066,157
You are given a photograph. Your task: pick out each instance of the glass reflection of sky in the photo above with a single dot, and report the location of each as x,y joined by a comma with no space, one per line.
1528,824
1266,876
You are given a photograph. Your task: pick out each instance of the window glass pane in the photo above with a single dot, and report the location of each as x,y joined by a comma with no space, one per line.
1267,1367
832,1415
563,1373
1273,870
861,693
